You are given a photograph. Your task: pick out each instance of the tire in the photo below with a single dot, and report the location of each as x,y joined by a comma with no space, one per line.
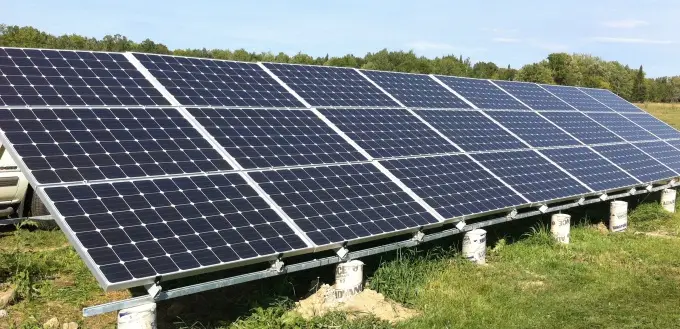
38,209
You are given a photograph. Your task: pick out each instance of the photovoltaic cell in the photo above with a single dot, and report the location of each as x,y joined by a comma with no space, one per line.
577,98
65,77
203,82
663,153
622,127
534,96
655,126
331,86
582,127
76,144
482,93
416,90
471,130
531,175
590,168
142,229
636,162
388,132
611,100
264,138
533,129
342,203
454,185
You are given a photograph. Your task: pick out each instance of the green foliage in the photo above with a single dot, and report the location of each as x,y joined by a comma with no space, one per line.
537,72
639,87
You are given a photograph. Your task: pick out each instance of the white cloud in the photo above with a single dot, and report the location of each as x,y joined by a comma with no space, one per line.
506,40
440,47
625,24
632,40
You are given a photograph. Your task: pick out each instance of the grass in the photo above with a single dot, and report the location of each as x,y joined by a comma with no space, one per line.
600,280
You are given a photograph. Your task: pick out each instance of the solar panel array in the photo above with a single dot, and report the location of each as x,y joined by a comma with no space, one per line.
158,165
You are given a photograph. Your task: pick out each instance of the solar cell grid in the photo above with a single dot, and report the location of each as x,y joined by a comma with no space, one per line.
388,132
471,130
76,144
663,153
636,162
73,78
482,93
611,100
533,129
264,138
577,98
653,125
416,90
204,82
531,175
139,229
590,168
534,96
622,127
582,127
453,185
335,204
331,86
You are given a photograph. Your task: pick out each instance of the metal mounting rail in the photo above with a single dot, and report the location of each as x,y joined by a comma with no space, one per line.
230,281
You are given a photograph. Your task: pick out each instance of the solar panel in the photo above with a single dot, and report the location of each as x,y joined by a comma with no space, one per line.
263,138
622,126
663,153
76,144
482,93
416,90
387,133
203,82
342,203
331,86
534,96
533,129
590,168
471,130
577,98
65,77
141,229
611,100
636,162
531,175
582,127
655,126
454,185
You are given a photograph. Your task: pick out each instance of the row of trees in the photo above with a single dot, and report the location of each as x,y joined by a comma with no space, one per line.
558,68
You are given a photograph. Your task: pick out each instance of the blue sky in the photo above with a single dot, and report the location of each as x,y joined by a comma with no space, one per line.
505,32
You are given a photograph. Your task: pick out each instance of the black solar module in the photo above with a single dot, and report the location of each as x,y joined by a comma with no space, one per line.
335,204
145,228
76,144
636,162
482,93
533,129
454,185
623,127
64,77
611,100
531,175
534,96
582,127
263,138
662,152
590,168
471,130
655,126
388,132
576,98
331,86
203,82
416,90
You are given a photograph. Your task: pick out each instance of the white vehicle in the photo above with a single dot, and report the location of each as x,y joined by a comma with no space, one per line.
17,199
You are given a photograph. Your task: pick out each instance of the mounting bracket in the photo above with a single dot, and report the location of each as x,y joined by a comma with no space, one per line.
543,209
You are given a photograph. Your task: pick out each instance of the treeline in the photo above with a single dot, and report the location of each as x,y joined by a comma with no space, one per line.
558,68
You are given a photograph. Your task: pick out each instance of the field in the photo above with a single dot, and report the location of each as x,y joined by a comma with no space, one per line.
600,280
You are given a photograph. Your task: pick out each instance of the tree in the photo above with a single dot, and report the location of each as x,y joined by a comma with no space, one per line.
639,87
564,69
484,70
537,72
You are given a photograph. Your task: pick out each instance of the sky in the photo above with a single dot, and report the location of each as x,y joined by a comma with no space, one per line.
512,33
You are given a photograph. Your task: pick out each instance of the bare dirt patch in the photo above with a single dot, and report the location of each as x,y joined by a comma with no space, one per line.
365,303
